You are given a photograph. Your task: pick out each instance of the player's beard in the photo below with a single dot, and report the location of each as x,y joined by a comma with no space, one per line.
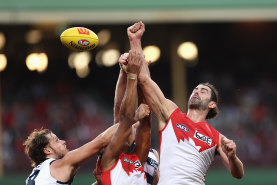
198,104
59,154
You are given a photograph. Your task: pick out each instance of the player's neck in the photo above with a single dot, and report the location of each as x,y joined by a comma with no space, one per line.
197,115
51,156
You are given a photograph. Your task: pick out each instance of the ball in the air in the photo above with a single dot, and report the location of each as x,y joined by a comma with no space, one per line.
79,39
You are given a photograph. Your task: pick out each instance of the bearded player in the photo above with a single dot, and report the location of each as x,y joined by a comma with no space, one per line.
188,144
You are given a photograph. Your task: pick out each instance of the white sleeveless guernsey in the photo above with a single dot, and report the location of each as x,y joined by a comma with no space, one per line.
187,149
41,175
126,171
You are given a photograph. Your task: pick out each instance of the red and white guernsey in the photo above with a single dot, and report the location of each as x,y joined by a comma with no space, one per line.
187,149
126,171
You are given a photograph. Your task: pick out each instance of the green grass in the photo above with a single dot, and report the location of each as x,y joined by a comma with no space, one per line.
251,177
214,177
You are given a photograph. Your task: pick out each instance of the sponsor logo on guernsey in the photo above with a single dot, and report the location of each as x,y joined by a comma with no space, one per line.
203,138
126,160
137,164
182,127
83,31
83,42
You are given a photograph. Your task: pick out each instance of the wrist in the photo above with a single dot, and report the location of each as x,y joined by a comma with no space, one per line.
123,68
135,44
131,76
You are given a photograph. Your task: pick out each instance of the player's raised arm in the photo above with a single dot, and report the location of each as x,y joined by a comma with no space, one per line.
135,32
227,150
126,113
120,87
155,98
143,133
161,106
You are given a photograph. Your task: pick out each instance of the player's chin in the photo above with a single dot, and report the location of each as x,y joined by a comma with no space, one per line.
66,151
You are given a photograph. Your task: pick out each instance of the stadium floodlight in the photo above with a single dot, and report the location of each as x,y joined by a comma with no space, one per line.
33,36
104,36
3,62
152,53
2,40
37,61
188,51
83,72
110,57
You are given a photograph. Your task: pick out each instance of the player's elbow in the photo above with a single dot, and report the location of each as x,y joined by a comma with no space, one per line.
126,117
103,140
239,174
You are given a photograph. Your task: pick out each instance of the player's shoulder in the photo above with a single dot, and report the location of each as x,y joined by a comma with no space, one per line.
44,163
176,112
171,106
210,127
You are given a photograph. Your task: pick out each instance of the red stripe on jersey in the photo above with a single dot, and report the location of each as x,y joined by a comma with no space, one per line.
130,163
202,134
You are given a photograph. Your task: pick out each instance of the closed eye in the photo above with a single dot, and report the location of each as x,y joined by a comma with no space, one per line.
204,90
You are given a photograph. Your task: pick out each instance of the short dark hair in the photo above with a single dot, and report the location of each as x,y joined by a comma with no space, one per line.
214,97
35,144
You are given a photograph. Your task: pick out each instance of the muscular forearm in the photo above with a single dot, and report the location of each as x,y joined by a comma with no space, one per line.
143,139
236,167
135,45
128,107
119,94
153,95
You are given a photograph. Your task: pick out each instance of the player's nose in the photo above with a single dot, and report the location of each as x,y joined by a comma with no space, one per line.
196,92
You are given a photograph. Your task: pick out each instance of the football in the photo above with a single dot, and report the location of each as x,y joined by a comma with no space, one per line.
79,39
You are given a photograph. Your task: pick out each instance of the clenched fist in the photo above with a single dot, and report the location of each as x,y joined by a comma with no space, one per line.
136,31
229,147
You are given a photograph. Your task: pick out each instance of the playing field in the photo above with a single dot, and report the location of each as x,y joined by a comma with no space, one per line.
214,177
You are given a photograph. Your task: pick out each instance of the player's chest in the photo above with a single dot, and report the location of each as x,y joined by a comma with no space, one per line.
198,134
131,164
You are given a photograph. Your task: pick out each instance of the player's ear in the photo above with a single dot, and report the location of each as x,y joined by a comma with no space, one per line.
212,105
47,150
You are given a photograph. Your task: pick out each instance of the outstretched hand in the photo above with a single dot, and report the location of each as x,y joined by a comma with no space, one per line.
229,147
136,31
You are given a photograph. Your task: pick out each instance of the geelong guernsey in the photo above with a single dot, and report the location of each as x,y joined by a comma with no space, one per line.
150,167
41,175
126,171
187,149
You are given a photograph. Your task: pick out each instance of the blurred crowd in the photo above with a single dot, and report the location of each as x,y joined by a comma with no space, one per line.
75,117
247,115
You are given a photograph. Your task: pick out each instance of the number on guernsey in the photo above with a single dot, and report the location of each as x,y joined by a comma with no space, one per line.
31,179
